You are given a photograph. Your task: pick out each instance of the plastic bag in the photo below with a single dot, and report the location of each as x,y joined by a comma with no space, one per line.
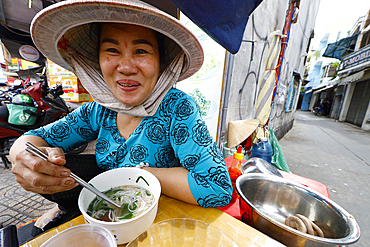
20,115
278,158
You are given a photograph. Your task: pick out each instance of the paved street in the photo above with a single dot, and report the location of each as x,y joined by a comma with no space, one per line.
336,154
18,206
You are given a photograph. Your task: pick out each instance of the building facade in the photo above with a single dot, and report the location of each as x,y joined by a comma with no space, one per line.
345,88
354,79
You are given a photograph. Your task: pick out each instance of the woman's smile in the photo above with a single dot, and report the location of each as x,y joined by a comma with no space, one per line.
129,61
128,85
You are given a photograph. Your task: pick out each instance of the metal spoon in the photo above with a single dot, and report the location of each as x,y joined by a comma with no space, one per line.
37,152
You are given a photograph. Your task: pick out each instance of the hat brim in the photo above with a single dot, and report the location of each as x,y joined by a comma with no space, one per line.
240,130
50,24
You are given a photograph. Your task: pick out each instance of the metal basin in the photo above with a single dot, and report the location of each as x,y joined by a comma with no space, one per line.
258,165
272,199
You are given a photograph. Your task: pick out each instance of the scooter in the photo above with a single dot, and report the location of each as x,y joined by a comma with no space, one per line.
7,93
50,107
318,111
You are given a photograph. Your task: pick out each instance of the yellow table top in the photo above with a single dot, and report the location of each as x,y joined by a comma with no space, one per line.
170,208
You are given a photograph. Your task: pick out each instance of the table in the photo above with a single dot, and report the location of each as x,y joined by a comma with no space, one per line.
169,208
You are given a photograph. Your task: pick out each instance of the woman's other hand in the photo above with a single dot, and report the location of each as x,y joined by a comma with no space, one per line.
37,175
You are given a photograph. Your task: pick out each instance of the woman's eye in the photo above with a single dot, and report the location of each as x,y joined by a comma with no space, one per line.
112,50
141,51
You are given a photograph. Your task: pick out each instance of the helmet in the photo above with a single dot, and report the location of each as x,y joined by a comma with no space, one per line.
22,99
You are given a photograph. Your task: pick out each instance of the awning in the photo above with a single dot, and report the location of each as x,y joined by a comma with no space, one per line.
327,82
355,77
18,14
14,50
323,89
224,21
341,48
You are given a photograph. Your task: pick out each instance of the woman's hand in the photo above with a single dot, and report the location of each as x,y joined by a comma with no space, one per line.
37,175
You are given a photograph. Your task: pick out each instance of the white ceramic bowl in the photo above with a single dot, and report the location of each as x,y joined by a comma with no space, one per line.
123,231
83,236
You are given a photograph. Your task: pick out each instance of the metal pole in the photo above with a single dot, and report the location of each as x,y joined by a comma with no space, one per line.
225,99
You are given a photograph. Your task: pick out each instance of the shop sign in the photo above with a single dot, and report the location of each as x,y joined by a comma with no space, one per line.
359,57
29,53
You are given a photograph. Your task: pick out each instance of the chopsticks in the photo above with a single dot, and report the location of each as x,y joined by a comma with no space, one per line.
37,152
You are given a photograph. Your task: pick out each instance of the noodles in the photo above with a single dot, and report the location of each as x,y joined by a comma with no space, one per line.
135,200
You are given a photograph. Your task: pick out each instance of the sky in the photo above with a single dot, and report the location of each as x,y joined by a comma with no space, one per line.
337,15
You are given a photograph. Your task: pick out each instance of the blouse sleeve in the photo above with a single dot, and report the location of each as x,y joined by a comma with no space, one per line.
209,180
77,128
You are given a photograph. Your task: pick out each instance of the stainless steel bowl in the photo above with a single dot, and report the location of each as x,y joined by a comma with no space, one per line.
258,165
272,199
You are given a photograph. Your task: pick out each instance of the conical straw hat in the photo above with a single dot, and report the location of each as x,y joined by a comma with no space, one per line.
69,24
240,130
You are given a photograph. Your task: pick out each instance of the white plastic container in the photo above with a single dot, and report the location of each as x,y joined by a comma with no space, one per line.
85,235
127,230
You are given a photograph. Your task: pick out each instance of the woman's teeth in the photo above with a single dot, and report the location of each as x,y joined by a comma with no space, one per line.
126,85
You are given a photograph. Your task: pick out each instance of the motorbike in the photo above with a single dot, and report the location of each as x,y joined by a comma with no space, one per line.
49,108
318,111
7,93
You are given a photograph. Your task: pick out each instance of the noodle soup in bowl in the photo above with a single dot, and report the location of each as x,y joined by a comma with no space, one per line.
123,180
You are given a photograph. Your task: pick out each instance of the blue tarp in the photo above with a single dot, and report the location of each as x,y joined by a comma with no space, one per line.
341,48
224,21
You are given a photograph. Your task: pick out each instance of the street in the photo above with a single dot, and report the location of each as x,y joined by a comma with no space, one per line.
18,206
337,155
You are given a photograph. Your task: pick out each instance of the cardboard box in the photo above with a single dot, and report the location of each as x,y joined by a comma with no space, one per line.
54,69
76,97
72,87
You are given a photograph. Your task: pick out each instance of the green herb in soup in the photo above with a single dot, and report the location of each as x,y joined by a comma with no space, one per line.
134,199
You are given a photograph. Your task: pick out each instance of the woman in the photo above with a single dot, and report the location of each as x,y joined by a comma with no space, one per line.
137,116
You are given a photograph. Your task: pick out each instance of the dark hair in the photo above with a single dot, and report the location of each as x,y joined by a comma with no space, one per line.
161,49
95,31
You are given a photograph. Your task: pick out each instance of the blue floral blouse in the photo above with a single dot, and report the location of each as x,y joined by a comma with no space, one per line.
175,136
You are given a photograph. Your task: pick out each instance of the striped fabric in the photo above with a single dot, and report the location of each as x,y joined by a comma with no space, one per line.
267,84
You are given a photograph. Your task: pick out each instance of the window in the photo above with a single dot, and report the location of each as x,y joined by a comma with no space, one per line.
365,39
367,20
293,91
332,70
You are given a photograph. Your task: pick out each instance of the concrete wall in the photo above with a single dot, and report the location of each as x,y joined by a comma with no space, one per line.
248,67
294,61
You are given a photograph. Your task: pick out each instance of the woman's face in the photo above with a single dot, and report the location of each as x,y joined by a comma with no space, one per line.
129,61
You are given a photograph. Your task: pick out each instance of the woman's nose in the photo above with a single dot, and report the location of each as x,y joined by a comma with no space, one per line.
127,65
